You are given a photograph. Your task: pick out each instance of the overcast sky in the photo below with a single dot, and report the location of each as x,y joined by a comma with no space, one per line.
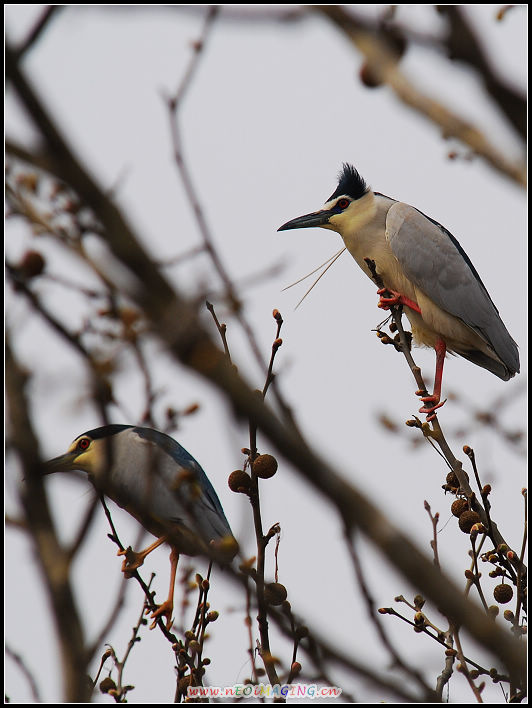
272,113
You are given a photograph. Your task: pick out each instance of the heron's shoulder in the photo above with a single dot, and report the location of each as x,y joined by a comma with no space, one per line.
105,431
457,245
406,221
185,460
167,444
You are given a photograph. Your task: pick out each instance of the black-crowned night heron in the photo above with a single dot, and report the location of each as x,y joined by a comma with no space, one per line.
425,270
157,481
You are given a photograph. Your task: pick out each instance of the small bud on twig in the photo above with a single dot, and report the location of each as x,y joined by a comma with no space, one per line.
419,601
295,669
107,685
275,593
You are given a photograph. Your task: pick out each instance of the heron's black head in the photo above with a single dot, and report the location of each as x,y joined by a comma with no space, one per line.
350,184
88,452
349,207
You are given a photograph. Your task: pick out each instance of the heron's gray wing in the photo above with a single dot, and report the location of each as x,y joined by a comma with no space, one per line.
434,261
183,502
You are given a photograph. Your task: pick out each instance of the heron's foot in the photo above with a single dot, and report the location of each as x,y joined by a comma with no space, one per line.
132,561
385,302
430,410
164,610
395,299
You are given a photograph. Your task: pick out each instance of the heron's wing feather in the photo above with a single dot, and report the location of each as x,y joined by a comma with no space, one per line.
178,490
185,460
434,261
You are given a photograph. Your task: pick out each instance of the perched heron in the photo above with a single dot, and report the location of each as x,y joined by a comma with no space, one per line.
424,269
157,481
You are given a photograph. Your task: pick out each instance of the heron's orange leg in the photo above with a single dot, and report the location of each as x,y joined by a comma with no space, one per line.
166,609
134,559
396,299
440,348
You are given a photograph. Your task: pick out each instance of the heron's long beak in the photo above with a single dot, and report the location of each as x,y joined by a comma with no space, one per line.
317,218
63,463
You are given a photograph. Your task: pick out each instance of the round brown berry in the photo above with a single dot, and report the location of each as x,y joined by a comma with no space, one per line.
239,481
467,520
503,593
368,77
184,684
32,264
275,593
452,480
265,466
458,507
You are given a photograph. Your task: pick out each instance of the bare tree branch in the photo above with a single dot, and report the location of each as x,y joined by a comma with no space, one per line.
53,559
35,34
176,322
383,64
464,45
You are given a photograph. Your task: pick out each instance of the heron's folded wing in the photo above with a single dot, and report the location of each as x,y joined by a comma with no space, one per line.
434,261
198,505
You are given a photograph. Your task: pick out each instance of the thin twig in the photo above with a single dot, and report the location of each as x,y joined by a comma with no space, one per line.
173,104
150,594
222,329
521,571
123,690
397,659
19,661
38,29
83,529
249,623
434,543
446,674
463,664
443,638
474,578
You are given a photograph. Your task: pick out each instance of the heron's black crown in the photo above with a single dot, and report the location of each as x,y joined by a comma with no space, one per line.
350,183
105,431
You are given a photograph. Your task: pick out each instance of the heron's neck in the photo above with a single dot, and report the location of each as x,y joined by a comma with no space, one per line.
363,234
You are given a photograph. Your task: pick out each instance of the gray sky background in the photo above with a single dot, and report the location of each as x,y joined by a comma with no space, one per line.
273,112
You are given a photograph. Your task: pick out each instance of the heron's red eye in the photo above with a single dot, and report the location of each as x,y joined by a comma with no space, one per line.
84,443
343,203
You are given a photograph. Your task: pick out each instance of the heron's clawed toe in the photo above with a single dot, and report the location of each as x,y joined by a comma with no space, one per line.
430,410
389,297
164,610
385,302
132,561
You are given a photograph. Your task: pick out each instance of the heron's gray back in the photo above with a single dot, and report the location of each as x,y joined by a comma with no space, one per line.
148,478
436,263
